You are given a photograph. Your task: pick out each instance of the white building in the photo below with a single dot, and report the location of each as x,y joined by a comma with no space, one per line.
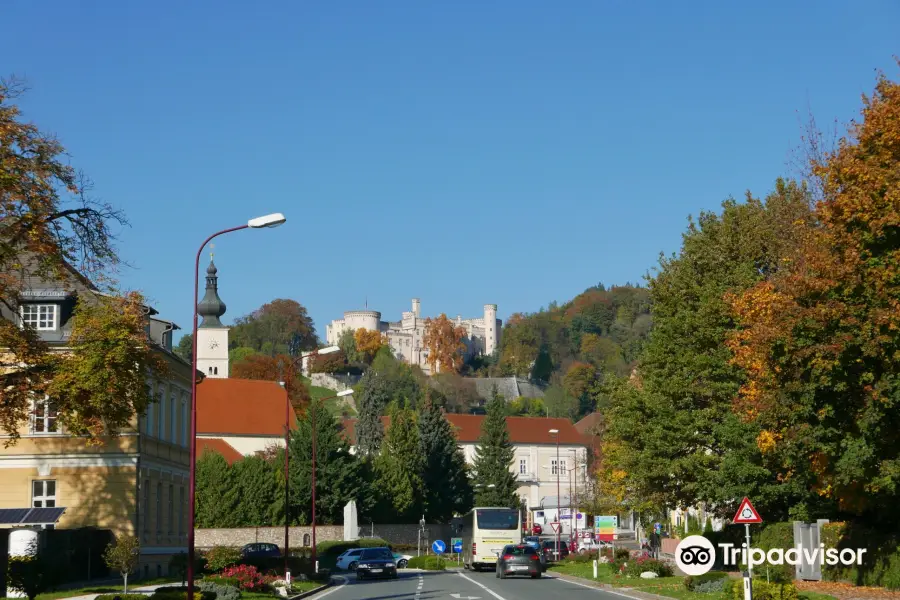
535,463
406,336
212,335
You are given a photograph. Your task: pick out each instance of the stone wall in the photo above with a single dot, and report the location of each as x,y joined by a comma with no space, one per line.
301,536
335,382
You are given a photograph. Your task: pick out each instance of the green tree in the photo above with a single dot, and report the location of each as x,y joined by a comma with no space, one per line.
258,487
123,557
347,344
339,474
448,490
238,355
30,573
218,493
275,328
185,347
374,393
400,467
560,403
494,456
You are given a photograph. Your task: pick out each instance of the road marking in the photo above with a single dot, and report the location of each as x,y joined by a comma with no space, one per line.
419,588
591,587
484,587
334,588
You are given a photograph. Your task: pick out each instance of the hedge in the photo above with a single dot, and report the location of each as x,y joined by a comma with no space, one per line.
881,561
427,563
767,591
122,597
335,548
692,581
180,593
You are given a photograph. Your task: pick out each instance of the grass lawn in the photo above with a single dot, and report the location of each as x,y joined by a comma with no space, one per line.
672,587
333,405
115,588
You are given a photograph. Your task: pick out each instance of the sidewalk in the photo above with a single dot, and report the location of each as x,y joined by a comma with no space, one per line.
147,589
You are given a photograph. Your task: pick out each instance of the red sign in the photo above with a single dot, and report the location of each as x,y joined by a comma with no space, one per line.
555,527
746,513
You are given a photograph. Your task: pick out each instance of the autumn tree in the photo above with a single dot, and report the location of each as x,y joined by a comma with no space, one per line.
444,343
281,326
819,340
280,368
368,343
48,224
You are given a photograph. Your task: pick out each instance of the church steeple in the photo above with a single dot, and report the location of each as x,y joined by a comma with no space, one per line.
211,307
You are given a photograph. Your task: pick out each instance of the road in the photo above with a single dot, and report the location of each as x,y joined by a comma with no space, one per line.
461,585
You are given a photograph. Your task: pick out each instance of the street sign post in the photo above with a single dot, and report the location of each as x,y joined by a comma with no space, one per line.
439,547
747,514
456,543
555,527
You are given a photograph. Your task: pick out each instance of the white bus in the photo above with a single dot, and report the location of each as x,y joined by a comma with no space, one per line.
485,531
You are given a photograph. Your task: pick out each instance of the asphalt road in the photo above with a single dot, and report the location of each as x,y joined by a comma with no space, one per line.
461,585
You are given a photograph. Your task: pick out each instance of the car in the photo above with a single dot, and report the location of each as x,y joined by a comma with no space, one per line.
521,559
376,562
401,559
532,540
251,551
548,549
537,529
349,559
589,545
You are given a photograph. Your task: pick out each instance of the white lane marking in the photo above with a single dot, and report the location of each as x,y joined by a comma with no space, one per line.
591,587
333,588
482,586
419,588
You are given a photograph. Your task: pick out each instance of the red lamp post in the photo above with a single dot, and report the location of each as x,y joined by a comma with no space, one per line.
555,433
268,221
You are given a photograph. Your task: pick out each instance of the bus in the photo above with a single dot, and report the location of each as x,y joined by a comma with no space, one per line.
485,532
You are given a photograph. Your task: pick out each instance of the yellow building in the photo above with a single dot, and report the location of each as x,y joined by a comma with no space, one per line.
134,484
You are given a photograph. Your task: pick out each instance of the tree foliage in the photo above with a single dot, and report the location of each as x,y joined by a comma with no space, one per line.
277,327
218,493
347,344
445,476
400,467
368,343
818,339
123,557
280,368
444,343
185,347
494,456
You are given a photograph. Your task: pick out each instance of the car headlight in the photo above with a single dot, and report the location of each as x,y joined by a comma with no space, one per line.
389,565
362,566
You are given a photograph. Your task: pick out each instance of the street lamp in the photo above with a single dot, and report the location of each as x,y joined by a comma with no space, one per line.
574,451
555,433
268,221
287,440
313,425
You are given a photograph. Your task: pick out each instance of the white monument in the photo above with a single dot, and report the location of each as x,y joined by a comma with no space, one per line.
22,542
351,528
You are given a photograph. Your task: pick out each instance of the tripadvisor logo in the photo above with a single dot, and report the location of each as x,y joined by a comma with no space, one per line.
695,555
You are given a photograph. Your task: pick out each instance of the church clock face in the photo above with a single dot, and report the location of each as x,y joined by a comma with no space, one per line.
213,345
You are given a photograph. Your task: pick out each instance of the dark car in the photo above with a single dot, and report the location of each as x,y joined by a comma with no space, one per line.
251,551
376,562
521,559
548,549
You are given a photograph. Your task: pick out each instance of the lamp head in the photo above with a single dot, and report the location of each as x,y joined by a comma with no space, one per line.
554,431
344,393
273,220
328,350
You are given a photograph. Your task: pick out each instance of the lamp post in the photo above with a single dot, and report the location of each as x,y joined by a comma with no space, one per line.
574,451
268,221
555,433
287,440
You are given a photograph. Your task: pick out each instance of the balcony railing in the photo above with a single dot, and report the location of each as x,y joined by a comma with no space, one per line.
526,476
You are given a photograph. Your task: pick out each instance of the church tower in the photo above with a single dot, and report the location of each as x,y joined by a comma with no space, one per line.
212,335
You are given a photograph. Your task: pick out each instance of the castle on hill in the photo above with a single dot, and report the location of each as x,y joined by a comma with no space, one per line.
406,336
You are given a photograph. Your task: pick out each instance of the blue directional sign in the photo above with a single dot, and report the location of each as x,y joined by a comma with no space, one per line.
438,547
457,545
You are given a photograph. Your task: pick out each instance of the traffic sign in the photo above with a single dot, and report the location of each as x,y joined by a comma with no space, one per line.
438,547
555,527
456,543
746,513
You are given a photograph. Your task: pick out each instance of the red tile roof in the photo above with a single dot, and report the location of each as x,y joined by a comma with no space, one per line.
587,425
241,407
220,446
522,430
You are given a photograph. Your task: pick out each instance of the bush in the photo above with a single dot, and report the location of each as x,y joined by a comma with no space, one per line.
881,562
222,592
767,591
219,580
582,558
335,548
427,563
777,535
248,577
692,581
635,567
221,557
180,593
122,597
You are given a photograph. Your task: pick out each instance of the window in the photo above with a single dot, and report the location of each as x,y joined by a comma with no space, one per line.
553,467
39,316
215,372
523,465
146,507
172,426
171,509
43,493
161,416
184,422
158,508
181,512
44,417
562,468
150,411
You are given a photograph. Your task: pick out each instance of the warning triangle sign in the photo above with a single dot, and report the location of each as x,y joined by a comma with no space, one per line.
746,513
555,527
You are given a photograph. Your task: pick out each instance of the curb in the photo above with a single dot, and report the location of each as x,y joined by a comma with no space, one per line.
312,591
624,591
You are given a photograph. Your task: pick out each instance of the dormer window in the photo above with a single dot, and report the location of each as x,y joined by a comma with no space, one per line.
42,317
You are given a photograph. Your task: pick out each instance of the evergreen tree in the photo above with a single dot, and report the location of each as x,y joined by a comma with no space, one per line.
447,487
493,459
217,492
339,475
400,467
258,487
375,396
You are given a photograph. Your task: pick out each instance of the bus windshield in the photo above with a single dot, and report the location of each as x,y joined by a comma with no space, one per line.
497,518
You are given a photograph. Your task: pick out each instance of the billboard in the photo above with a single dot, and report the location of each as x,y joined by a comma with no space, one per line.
605,527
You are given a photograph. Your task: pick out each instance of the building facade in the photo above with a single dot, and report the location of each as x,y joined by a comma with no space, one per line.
538,464
406,336
133,484
212,335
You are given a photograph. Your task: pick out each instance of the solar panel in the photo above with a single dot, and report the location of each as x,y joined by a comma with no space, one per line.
12,516
31,516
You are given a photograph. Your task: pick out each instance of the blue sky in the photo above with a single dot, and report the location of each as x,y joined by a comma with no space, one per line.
508,152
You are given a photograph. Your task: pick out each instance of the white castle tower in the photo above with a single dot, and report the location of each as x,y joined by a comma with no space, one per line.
212,335
491,329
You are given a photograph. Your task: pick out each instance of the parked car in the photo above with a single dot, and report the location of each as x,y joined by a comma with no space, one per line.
532,540
349,559
258,550
537,529
521,559
376,562
402,559
548,549
586,545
